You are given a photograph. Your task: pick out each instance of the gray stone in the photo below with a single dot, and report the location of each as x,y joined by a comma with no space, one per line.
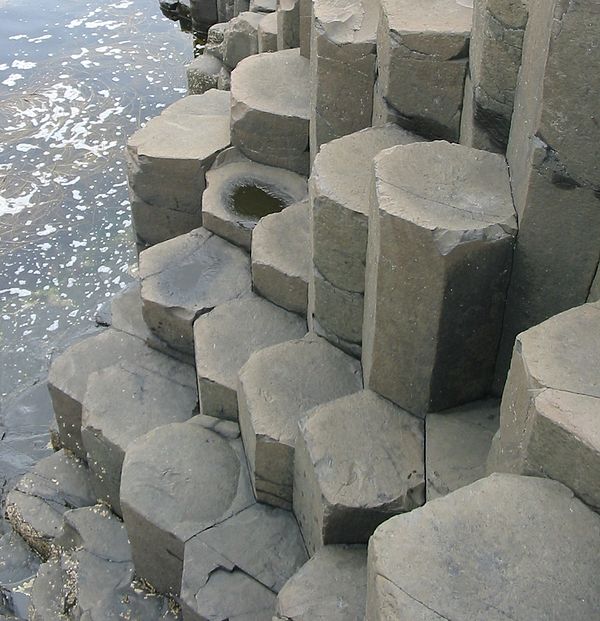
224,80
240,6
553,152
232,172
281,257
422,52
277,386
458,443
482,553
235,569
267,33
383,113
594,294
472,134
69,372
330,587
551,404
270,109
358,461
139,400
202,73
177,481
215,38
305,27
186,277
225,338
288,24
166,163
241,38
263,6
342,68
126,312
440,244
36,505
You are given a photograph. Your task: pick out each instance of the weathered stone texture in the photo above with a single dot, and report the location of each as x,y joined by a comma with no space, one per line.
240,39
288,24
267,33
440,243
203,73
305,26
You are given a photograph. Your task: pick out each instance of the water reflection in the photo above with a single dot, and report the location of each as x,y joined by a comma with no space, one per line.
75,80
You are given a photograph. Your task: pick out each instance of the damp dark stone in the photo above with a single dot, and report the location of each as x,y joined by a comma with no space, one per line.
254,202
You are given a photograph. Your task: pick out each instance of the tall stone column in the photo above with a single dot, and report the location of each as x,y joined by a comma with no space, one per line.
553,155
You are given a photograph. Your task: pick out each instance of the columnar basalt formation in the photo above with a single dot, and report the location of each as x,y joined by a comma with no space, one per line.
240,40
288,24
203,74
440,242
422,56
267,33
553,152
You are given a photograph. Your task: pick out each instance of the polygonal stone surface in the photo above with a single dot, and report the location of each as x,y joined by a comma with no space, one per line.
126,312
267,33
226,337
263,6
36,505
270,109
277,386
177,481
422,57
281,257
186,277
203,73
466,564
358,461
288,24
330,587
235,569
166,162
458,443
215,38
439,253
123,402
231,172
551,404
240,39
342,70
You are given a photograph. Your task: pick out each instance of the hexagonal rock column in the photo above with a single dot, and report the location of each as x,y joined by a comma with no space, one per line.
240,39
180,480
186,277
203,74
215,40
358,461
458,443
340,187
235,569
332,586
270,109
456,550
288,24
36,505
226,337
305,27
68,377
166,162
122,403
277,386
267,33
553,154
281,257
440,244
495,54
240,192
422,56
551,404
342,68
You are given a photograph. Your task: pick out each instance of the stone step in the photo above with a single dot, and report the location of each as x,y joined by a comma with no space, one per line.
178,481
358,461
186,277
281,257
240,192
277,386
466,564
203,73
550,411
422,59
458,443
332,586
226,337
166,163
36,505
92,577
270,109
441,236
267,33
240,38
342,70
235,569
123,402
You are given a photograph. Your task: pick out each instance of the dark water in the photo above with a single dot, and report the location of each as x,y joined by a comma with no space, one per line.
254,202
76,78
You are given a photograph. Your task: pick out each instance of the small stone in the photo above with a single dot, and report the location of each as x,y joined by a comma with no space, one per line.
202,73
